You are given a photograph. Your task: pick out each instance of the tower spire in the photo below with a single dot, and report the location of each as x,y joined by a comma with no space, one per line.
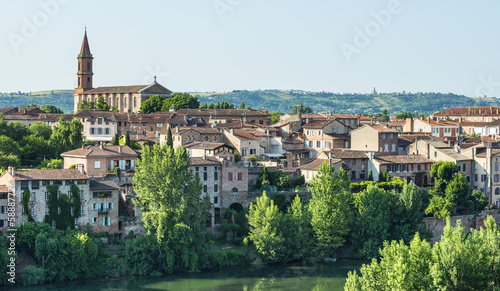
85,74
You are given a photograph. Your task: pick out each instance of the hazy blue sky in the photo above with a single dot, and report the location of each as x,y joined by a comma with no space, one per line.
221,45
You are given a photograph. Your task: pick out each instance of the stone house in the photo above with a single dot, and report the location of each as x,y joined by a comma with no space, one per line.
221,150
440,151
183,136
98,126
476,114
210,116
244,142
36,182
375,138
99,160
310,169
355,163
408,167
437,127
104,206
325,134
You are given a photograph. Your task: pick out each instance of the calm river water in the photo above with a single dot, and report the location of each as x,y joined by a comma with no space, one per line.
322,277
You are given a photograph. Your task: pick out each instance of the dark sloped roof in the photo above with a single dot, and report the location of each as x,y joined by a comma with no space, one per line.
103,185
316,163
50,174
207,161
402,159
106,151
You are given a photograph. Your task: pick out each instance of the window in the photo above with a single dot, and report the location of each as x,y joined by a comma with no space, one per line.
99,131
229,176
99,120
94,219
393,147
57,182
496,166
463,168
80,182
97,164
392,136
475,177
106,221
24,185
92,130
216,200
383,136
159,124
435,154
318,144
310,144
253,151
205,176
144,124
35,184
495,178
46,195
497,191
353,175
319,132
386,147
216,188
4,209
240,176
216,176
205,189
483,177
46,210
107,131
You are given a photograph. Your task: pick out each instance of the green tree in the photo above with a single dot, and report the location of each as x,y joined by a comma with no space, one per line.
152,104
66,135
16,130
127,139
330,208
170,141
51,109
478,200
301,108
116,139
8,146
9,160
275,117
370,175
167,193
457,192
40,129
242,105
265,233
101,104
443,172
179,101
35,147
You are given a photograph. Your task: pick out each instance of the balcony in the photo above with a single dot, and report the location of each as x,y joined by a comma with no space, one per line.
103,211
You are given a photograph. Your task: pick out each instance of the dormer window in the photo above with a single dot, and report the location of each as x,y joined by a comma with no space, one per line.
99,120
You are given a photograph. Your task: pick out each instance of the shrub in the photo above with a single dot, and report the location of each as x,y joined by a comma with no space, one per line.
33,275
116,267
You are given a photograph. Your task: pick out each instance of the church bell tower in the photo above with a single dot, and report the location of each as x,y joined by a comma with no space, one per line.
84,67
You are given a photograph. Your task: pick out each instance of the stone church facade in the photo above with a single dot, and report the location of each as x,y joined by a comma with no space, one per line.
127,98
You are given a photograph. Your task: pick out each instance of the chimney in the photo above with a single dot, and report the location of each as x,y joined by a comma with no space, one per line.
80,167
232,131
409,125
120,149
101,146
13,171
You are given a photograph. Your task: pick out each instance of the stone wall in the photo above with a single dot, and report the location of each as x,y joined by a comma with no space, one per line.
468,221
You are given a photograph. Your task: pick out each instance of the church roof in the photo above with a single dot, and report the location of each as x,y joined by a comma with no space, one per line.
151,88
85,45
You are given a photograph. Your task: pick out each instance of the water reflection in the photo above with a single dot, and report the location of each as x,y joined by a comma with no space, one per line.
329,277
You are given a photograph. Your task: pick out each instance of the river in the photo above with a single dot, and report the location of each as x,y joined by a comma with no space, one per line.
321,277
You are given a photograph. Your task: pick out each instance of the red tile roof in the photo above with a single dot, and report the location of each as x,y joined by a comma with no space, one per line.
316,163
403,159
463,111
106,151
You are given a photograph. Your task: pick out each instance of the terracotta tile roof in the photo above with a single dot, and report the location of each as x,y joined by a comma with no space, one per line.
236,123
364,118
474,124
50,174
413,137
377,127
348,154
219,113
338,136
316,163
203,130
151,88
393,123
205,145
469,111
440,122
243,134
318,123
103,185
96,151
402,159
207,161
312,116
8,110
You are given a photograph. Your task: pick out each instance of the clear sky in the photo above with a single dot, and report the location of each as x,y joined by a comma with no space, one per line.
222,45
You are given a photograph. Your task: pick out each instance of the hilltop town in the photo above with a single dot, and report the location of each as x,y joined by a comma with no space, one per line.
237,154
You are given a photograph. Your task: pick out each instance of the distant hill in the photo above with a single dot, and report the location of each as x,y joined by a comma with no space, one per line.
283,100
60,98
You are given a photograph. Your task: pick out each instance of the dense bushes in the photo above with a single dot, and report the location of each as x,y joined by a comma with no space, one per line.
33,275
459,261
